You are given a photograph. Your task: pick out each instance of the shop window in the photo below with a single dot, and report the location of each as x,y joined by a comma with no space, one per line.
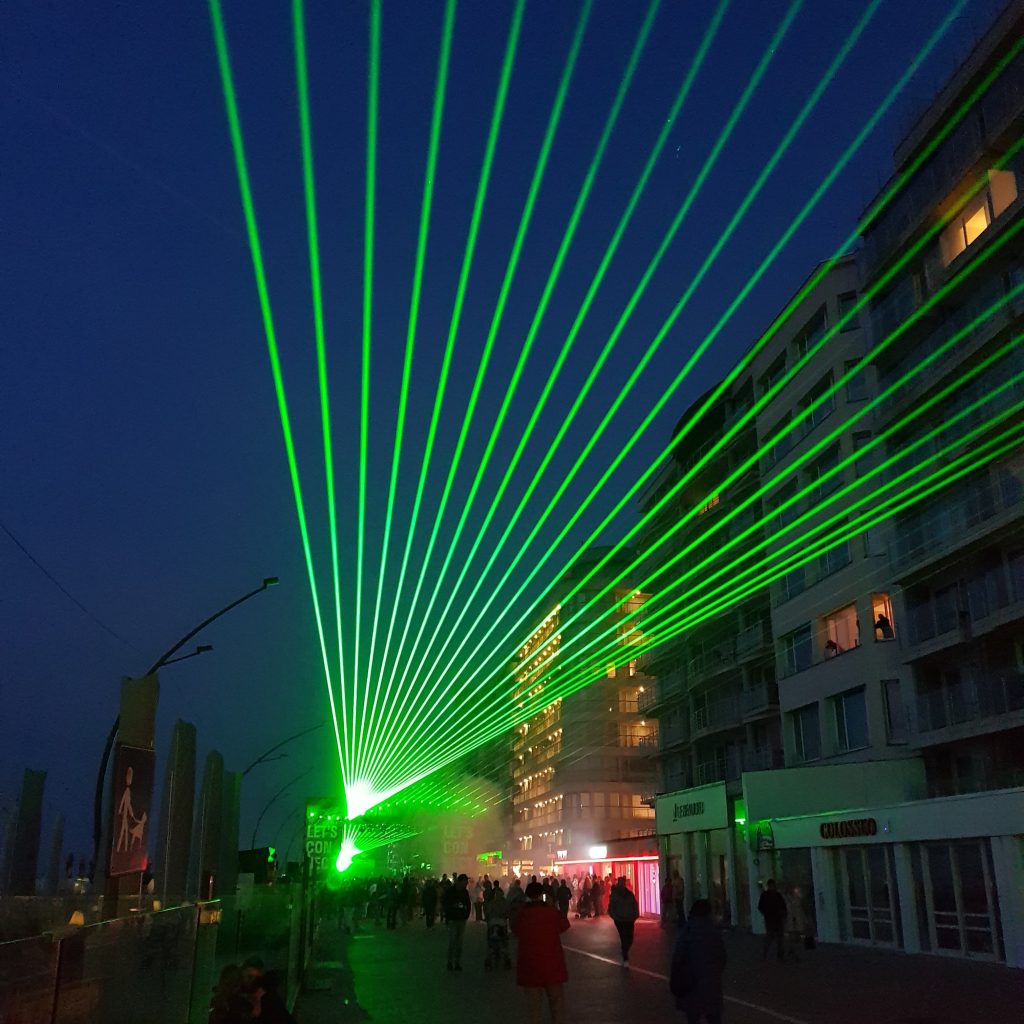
848,319
796,650
806,733
842,631
851,720
882,617
896,730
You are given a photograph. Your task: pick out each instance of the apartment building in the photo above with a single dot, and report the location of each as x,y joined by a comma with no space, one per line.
957,559
899,645
582,764
715,695
839,668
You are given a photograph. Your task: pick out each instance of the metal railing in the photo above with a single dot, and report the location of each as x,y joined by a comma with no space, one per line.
982,695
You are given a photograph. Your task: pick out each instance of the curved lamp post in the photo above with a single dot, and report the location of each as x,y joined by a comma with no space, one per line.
167,658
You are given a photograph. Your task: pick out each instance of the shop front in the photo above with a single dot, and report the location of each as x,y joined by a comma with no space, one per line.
634,859
943,876
700,848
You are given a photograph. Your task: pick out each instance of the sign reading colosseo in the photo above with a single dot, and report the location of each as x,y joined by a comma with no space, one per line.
692,810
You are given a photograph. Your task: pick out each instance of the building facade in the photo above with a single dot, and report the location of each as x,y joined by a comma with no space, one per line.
582,764
889,427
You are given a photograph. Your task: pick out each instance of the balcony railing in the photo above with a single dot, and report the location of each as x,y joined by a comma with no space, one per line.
950,523
646,700
984,695
759,698
752,639
762,760
720,714
722,769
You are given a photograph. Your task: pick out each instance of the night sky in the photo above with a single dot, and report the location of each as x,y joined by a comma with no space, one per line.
141,460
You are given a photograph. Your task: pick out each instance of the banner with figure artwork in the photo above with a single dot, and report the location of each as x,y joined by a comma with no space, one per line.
133,800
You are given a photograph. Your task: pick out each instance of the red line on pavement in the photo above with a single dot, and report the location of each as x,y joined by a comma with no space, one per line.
654,974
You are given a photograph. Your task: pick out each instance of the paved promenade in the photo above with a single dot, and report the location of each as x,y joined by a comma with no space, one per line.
399,978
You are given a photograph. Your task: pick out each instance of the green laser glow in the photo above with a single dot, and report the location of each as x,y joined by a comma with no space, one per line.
372,98
877,207
467,262
306,135
527,347
433,147
256,253
492,332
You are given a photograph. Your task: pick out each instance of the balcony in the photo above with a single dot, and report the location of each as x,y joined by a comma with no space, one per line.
712,661
716,716
972,700
961,516
988,294
753,640
719,769
659,694
759,700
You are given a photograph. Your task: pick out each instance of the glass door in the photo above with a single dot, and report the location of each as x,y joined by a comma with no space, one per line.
868,894
960,898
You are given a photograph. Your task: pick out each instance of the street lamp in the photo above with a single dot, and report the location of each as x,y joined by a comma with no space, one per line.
167,658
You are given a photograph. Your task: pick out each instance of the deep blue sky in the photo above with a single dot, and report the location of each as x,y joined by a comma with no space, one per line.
140,450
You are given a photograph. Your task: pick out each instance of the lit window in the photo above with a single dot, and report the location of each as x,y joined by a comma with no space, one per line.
842,631
610,672
882,617
632,670
709,504
978,214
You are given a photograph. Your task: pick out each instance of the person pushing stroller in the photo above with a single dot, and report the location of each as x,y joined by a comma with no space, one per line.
496,911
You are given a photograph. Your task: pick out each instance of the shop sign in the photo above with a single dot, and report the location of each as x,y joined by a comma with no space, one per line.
854,828
693,810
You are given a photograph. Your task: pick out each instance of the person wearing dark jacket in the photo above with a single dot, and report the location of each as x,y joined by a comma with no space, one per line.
623,909
563,898
772,907
428,900
540,964
457,905
698,960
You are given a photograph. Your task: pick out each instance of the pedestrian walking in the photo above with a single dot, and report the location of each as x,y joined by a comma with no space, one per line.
456,913
796,924
698,960
429,902
667,903
496,911
623,909
478,901
540,963
772,907
563,898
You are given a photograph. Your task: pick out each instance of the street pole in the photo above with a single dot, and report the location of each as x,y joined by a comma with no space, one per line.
165,659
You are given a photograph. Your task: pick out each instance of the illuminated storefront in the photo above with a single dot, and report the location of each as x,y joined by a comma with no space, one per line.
634,859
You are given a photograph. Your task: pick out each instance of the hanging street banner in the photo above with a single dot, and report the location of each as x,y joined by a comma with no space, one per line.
133,802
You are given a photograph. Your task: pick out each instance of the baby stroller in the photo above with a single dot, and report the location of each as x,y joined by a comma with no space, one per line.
497,945
584,905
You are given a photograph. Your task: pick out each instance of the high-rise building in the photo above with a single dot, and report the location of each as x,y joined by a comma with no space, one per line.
899,643
582,764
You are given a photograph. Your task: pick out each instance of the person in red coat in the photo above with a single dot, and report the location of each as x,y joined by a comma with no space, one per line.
540,964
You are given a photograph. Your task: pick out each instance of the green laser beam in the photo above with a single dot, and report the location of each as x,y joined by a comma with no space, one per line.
467,260
878,206
263,292
549,286
309,195
536,181
433,148
372,104
680,216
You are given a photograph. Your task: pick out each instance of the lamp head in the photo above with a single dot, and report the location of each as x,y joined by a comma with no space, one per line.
204,648
270,581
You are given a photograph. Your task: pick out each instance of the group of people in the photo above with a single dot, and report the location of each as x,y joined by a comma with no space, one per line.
247,993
